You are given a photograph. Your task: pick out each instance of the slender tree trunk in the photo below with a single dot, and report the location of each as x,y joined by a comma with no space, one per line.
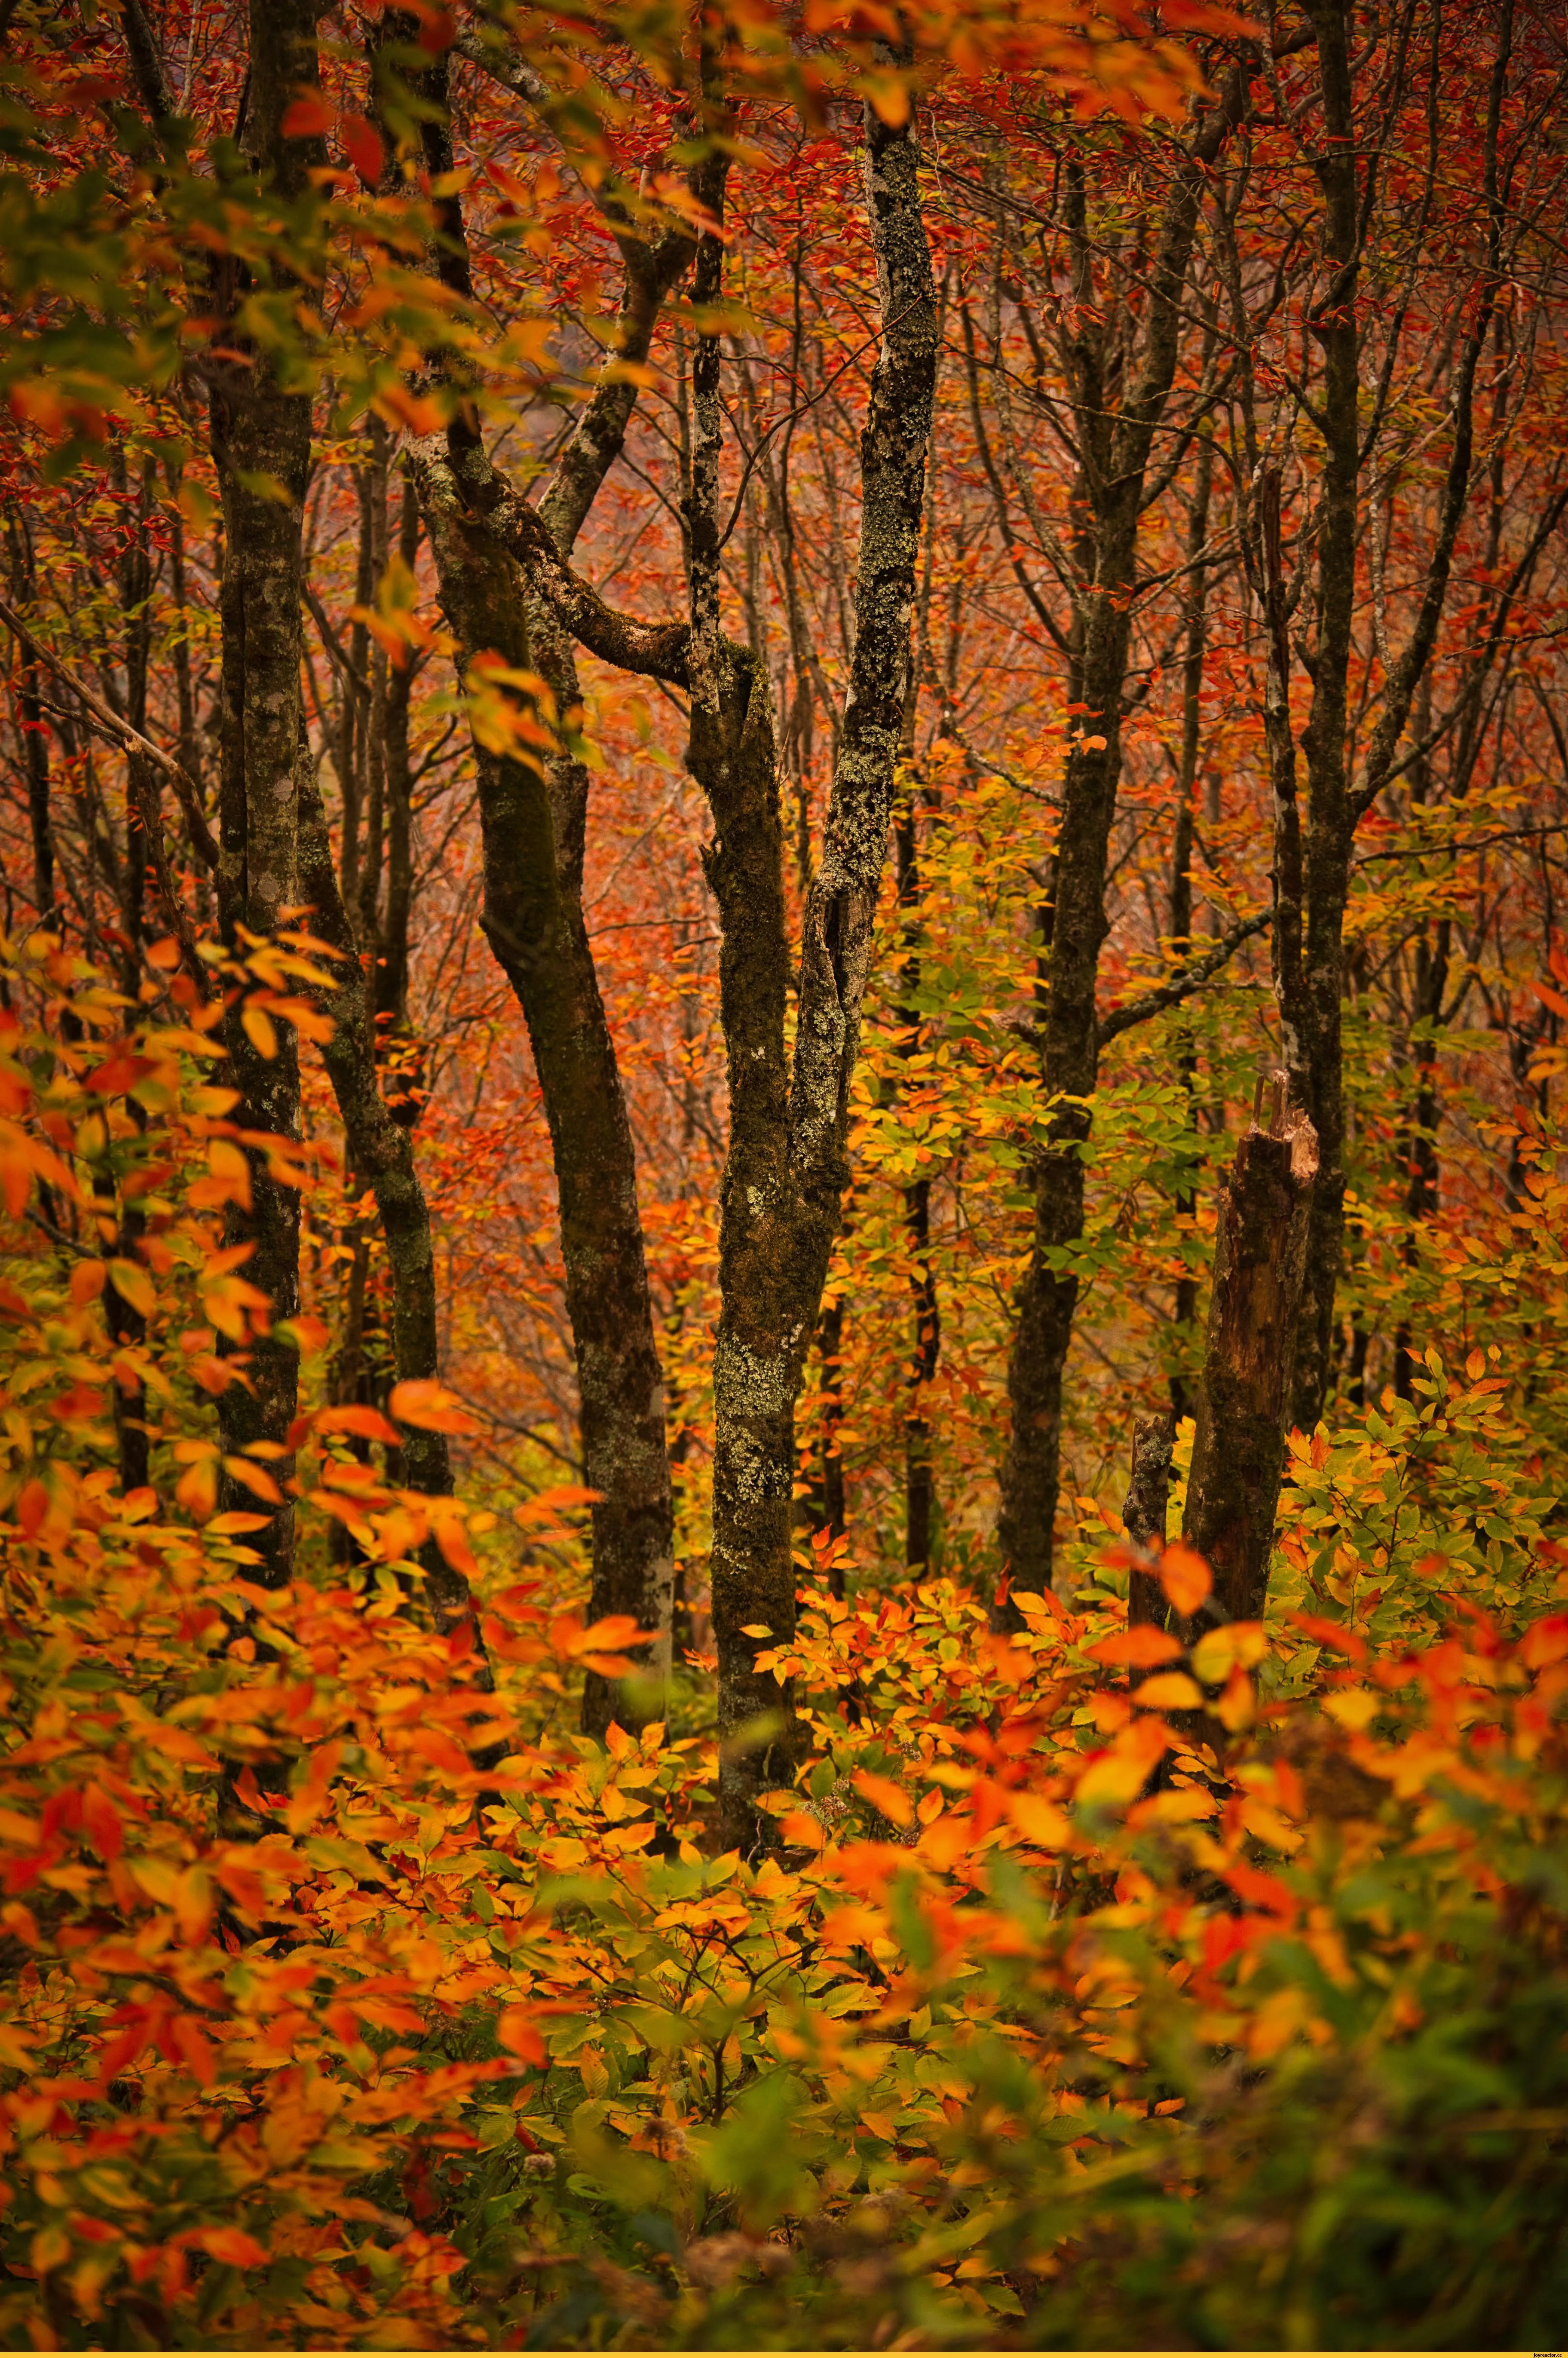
1186,1306
392,972
381,1154
1330,825
1117,449
926,1341
1333,808
260,444
830,1349
143,820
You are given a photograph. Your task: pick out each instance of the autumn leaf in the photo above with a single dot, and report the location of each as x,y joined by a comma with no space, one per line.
429,1405
1138,1648
884,1795
1185,1578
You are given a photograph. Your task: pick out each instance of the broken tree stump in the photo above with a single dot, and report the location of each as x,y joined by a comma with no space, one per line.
1239,1448
1148,1498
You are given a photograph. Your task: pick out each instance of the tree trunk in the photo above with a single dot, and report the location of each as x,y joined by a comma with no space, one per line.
534,826
1117,446
1239,1449
786,1174
784,1194
261,446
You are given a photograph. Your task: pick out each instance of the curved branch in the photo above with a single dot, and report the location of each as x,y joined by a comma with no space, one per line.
1181,984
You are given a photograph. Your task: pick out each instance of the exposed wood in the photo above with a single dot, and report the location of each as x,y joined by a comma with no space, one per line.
1239,1449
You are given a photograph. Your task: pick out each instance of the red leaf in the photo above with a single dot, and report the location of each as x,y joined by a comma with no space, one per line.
102,1820
362,145
1329,1633
308,117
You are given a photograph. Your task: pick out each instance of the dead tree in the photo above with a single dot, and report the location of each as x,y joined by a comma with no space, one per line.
1148,1500
1239,1449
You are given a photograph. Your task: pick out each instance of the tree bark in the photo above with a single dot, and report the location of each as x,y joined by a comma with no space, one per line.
261,446
785,1172
533,922
1239,1448
784,1182
534,824
1116,448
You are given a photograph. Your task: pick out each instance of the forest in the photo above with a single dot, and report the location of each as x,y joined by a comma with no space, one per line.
784,1194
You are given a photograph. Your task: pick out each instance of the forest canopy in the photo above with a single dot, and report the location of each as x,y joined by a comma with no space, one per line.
783,1363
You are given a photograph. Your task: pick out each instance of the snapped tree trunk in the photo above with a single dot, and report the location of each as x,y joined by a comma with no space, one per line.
1144,1510
1239,1448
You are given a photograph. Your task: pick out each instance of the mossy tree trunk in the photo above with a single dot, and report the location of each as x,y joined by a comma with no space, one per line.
261,446
533,820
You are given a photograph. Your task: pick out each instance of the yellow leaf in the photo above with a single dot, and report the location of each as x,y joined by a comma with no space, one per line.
1217,1650
1178,1805
1040,1821
132,1284
1353,1707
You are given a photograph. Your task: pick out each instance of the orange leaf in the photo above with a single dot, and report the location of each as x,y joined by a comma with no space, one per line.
101,1820
884,1795
197,2050
32,1506
230,2246
1170,1691
368,1423
1184,1577
431,1407
253,1478
518,2034
452,1541
1139,1648
1544,1641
